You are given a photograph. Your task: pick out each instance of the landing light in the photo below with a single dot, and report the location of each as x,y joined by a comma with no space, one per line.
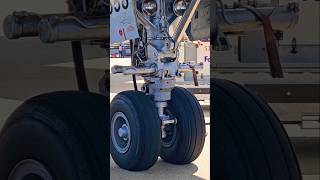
149,7
179,7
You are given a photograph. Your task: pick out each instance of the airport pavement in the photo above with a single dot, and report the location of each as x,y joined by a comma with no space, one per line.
19,81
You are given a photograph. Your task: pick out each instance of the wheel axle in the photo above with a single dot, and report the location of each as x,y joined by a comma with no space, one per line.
123,132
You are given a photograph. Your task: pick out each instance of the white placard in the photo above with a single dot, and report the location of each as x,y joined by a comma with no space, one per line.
123,22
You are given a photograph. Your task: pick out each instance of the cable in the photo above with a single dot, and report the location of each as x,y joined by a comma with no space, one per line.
134,79
227,20
134,82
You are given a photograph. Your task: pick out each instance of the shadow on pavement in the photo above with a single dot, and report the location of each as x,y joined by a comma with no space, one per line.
160,171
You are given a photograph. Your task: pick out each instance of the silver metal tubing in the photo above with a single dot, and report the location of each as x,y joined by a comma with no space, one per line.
130,70
147,24
189,68
69,29
281,18
15,26
24,24
185,20
56,27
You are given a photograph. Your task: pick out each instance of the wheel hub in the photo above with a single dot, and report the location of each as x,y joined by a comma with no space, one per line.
29,169
169,129
120,132
123,132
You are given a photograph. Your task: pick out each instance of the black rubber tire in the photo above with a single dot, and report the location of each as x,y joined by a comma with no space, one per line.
144,124
104,87
249,142
190,128
65,131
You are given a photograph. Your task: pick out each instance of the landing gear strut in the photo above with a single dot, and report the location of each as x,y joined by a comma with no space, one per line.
161,119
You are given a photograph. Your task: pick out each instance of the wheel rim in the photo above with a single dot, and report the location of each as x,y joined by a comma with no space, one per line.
170,139
29,169
171,132
120,132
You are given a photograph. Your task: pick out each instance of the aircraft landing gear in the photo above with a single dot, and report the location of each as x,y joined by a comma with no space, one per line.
138,136
161,119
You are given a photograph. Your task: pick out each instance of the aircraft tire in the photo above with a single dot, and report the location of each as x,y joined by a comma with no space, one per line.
135,131
59,135
249,142
185,139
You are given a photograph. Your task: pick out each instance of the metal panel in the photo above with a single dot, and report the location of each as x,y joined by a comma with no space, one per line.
287,93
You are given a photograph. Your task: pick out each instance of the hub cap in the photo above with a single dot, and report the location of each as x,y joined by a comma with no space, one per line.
29,169
120,132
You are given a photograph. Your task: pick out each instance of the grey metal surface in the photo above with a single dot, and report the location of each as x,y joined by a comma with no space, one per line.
282,17
73,28
290,53
287,93
57,27
120,132
40,6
